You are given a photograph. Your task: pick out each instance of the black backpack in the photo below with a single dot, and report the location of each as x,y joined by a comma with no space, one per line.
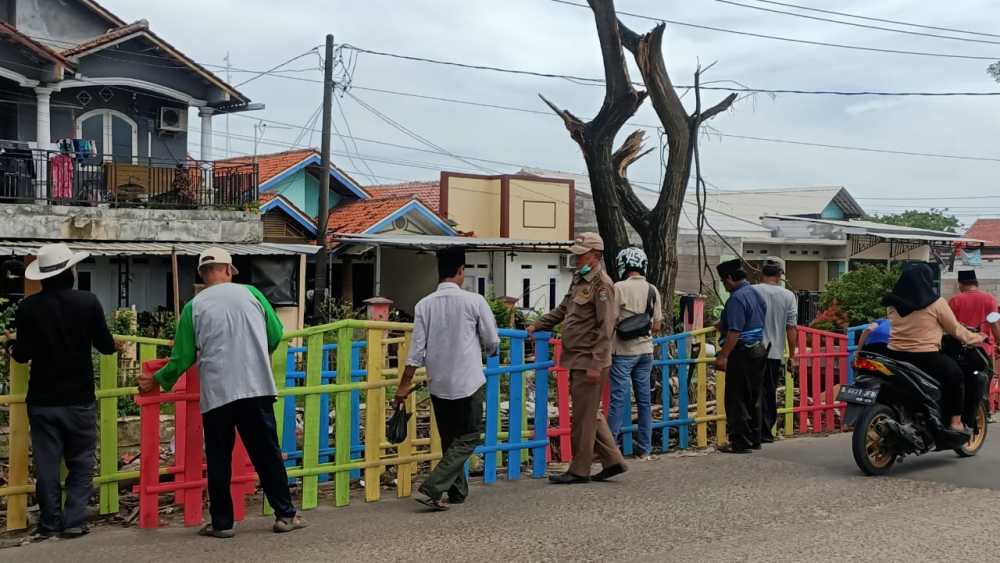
641,324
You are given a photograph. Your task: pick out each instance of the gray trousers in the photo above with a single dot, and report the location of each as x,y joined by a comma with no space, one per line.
460,423
63,433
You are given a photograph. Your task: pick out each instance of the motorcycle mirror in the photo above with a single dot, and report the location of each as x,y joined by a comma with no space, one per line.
993,317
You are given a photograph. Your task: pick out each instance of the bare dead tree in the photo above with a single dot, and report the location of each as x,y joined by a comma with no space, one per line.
614,199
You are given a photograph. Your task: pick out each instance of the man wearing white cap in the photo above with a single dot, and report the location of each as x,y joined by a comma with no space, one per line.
231,330
56,330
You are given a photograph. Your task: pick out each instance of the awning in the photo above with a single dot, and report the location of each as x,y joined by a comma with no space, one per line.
114,248
432,242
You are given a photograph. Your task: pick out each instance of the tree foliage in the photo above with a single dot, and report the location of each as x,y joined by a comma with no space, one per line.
858,294
994,71
935,219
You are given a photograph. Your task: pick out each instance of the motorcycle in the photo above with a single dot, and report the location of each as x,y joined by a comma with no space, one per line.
895,410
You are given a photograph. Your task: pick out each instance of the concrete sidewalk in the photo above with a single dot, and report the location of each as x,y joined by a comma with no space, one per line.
698,508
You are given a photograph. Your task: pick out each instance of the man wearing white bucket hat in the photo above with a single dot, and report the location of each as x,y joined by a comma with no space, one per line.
56,330
231,331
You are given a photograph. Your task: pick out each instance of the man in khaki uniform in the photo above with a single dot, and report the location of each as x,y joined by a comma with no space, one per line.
588,315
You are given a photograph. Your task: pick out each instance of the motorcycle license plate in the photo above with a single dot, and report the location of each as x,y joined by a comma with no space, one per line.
857,395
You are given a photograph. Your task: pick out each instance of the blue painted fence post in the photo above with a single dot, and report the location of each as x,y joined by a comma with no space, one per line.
541,405
289,443
492,416
325,450
515,408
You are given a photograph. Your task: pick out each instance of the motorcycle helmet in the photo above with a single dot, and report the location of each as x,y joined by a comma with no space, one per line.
631,259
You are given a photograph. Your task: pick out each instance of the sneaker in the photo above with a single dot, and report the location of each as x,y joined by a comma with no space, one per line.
283,524
208,531
71,533
648,457
40,533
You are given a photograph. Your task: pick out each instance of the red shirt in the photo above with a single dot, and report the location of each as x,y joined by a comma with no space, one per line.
971,308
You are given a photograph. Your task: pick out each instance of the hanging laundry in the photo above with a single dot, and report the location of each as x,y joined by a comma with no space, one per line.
62,176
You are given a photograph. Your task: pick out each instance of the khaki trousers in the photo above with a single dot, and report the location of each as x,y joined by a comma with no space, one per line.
590,432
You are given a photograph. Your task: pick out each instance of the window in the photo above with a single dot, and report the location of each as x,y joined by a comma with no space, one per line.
525,266
526,294
83,281
553,266
552,293
481,287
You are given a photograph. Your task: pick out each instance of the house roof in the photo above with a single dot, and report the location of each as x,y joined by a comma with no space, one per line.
427,192
987,230
41,50
881,230
118,248
359,216
753,204
141,29
274,167
272,200
366,216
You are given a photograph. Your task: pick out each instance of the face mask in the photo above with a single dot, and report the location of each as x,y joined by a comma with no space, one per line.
584,270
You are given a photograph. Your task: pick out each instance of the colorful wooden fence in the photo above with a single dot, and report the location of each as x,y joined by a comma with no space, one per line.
365,358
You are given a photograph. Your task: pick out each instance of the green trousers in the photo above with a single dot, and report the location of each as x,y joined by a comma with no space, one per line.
460,424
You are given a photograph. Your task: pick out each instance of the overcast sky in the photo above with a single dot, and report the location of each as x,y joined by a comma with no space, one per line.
544,36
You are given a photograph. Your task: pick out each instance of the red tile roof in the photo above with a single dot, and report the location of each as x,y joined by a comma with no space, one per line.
359,216
986,229
429,193
271,165
14,36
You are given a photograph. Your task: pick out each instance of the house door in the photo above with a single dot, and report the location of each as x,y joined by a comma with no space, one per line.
115,134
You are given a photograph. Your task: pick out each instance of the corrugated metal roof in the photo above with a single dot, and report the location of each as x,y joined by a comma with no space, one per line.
430,242
870,227
115,248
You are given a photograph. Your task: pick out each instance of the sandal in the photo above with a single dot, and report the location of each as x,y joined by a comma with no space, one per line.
437,505
208,531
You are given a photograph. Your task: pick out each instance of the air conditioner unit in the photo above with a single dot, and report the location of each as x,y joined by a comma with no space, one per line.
173,119
568,261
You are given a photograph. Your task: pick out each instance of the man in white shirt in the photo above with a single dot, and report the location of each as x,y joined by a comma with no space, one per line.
779,328
452,329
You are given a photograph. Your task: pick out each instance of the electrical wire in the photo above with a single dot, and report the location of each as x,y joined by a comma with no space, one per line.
882,20
276,67
350,133
788,39
853,24
599,82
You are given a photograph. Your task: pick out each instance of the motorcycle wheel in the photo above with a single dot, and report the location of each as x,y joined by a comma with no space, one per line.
978,438
868,446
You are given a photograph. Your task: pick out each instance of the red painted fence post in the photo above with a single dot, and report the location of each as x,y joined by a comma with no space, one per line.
193,449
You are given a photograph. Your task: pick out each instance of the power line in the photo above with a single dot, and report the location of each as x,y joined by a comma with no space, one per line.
276,67
715,133
596,81
877,19
789,39
861,25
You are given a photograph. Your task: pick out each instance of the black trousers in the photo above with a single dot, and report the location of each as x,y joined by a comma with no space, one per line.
744,373
460,423
254,418
63,433
773,375
947,373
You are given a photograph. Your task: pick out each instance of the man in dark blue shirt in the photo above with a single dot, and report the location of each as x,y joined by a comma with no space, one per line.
742,357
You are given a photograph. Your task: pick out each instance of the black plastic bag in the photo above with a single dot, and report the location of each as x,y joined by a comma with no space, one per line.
396,428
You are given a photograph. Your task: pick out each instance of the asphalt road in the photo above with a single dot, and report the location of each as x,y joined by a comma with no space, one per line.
800,499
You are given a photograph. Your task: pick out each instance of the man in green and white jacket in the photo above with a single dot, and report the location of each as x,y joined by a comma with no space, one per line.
231,331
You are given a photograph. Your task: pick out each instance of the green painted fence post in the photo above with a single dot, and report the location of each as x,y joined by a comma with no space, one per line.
342,405
310,439
108,429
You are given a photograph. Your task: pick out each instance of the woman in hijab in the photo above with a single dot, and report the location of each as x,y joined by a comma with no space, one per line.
919,318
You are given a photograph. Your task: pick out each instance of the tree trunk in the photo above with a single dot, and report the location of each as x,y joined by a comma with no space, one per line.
614,199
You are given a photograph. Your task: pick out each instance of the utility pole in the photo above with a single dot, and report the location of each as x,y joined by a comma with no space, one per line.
322,259
229,80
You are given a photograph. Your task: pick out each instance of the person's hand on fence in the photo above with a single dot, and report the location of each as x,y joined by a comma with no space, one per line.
720,362
401,394
146,382
593,376
531,331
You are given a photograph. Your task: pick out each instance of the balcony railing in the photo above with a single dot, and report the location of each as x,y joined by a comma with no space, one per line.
38,176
